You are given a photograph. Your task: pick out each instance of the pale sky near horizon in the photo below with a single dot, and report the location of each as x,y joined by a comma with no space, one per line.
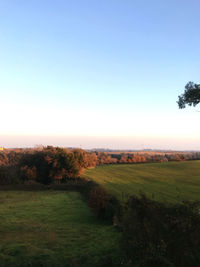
98,73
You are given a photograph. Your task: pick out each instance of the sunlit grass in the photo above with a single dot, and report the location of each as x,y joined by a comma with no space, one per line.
171,181
52,228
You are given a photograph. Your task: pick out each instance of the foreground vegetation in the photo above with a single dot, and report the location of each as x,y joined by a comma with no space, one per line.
159,234
52,228
169,181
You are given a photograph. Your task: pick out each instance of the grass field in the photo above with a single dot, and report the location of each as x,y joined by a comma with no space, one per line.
52,228
171,181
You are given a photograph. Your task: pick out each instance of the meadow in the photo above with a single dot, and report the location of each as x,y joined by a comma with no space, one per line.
168,181
52,228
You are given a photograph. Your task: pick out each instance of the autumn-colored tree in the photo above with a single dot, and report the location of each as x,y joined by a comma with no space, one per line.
28,173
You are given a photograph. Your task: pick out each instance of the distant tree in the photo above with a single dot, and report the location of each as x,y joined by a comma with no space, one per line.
191,95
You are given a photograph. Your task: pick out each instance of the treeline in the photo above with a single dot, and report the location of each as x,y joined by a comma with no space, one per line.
55,165
111,158
47,165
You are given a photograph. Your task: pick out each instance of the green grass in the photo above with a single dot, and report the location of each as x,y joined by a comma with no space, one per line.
52,228
171,181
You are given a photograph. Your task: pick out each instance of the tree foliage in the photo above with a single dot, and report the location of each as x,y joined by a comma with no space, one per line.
191,95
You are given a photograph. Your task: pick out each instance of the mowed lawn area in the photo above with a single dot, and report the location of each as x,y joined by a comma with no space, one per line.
171,181
52,228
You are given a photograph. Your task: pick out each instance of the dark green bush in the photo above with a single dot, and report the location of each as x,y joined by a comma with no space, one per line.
156,234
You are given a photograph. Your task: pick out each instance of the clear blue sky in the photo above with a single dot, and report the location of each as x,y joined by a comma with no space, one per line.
98,73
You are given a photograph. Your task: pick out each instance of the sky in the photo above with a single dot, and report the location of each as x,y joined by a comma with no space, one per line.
98,73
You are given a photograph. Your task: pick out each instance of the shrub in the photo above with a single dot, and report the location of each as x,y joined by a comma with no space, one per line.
156,234
103,204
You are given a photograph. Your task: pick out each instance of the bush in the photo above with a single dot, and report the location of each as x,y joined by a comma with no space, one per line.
103,204
156,234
